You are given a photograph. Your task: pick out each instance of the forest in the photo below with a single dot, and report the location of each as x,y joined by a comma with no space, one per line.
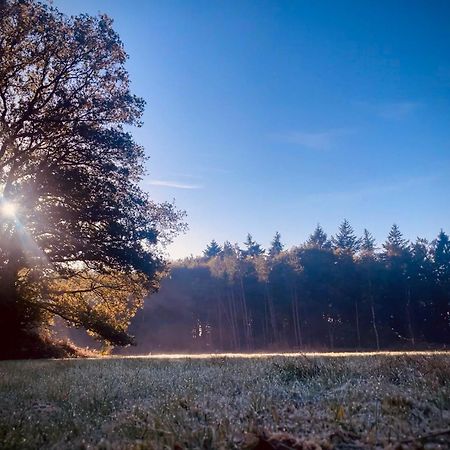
339,293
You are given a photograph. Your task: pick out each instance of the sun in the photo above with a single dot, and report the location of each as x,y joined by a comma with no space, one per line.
8,209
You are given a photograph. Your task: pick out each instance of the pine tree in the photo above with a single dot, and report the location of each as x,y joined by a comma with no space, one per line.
212,249
346,240
253,248
276,246
395,245
441,253
318,239
228,249
367,243
441,301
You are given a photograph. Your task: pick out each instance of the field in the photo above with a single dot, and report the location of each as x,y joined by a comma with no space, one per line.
272,402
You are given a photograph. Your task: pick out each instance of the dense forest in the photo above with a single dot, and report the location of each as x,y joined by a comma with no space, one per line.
338,293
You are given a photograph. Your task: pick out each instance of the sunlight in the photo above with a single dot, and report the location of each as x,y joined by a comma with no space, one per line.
8,209
263,355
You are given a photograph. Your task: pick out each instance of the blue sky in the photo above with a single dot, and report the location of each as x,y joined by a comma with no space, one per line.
265,116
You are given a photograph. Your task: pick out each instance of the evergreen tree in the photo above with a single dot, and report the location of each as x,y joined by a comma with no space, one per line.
253,248
441,252
212,249
276,246
367,243
318,239
228,249
441,300
395,245
346,240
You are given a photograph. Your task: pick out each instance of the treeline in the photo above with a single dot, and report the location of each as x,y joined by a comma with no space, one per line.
342,292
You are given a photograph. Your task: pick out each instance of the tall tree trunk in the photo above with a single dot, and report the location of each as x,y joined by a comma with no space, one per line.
296,318
408,315
374,320
220,322
273,321
234,331
247,332
266,323
358,332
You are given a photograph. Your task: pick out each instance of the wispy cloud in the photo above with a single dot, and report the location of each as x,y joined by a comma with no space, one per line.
394,110
173,184
378,189
397,110
322,140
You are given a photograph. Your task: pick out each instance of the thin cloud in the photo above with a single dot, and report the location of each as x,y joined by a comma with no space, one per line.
322,140
373,190
397,110
173,184
391,110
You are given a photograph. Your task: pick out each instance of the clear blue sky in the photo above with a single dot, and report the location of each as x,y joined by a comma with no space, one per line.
277,115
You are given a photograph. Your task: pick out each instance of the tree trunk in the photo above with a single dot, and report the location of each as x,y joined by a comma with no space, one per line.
358,332
247,325
408,315
234,333
374,320
296,319
273,321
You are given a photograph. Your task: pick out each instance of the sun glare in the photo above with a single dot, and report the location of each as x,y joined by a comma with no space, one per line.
8,209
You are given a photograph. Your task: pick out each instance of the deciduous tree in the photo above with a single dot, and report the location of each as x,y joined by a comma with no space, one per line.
79,238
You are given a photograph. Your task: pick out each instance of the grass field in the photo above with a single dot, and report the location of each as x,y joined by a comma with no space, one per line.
271,402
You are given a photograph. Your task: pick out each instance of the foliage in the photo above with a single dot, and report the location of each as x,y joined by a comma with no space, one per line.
318,239
276,247
252,247
346,240
82,228
212,249
311,296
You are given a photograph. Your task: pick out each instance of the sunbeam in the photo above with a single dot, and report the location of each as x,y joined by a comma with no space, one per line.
8,209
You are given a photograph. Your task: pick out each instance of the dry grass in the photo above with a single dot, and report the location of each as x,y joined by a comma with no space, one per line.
277,402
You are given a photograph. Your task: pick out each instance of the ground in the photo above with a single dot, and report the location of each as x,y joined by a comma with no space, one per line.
272,402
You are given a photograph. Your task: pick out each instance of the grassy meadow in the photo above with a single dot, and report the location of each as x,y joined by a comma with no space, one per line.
273,402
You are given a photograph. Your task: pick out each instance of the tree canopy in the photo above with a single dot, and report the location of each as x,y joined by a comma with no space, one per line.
311,296
78,238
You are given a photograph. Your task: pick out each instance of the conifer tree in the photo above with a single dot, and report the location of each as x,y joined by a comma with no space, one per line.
212,249
346,240
228,249
395,244
367,243
276,246
318,239
441,251
253,248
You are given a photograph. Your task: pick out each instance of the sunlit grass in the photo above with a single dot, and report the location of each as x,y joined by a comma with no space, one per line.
227,401
289,354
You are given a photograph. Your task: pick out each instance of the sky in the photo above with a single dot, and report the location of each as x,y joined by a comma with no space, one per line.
267,116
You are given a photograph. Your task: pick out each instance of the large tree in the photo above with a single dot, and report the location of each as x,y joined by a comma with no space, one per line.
253,248
276,247
318,239
346,240
79,239
212,249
